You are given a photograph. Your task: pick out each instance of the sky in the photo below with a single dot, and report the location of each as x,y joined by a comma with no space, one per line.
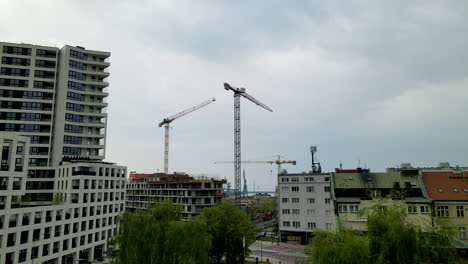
371,83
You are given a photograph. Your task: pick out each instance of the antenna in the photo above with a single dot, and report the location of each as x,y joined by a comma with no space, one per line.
316,167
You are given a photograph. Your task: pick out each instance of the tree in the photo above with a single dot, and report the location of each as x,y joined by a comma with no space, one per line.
228,226
260,208
391,238
157,235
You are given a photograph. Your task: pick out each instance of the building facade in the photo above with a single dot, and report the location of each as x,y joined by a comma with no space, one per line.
448,190
193,194
59,200
304,204
360,189
55,97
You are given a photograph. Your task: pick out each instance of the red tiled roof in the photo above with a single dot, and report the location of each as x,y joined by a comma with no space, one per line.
441,185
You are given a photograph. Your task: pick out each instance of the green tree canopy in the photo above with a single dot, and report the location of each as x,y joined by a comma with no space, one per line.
157,236
391,238
228,226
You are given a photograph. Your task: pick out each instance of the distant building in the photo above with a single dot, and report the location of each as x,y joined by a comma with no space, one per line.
355,190
304,204
193,193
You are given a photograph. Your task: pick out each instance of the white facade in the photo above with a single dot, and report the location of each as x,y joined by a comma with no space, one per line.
304,204
59,201
78,225
56,97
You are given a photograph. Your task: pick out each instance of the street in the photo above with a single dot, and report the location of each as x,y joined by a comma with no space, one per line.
283,253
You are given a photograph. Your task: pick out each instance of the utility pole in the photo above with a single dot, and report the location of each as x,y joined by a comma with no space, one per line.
238,92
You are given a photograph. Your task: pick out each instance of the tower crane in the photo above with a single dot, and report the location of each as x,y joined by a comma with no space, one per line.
168,120
238,92
277,162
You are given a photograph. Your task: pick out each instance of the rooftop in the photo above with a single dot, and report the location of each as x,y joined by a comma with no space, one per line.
446,185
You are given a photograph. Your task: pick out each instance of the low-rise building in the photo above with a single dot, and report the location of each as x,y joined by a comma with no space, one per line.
304,204
448,190
193,193
360,189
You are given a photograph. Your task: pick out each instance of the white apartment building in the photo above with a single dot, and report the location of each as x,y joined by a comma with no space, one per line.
59,200
56,97
193,193
304,204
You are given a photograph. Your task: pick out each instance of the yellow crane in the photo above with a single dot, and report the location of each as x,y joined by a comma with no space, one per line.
278,162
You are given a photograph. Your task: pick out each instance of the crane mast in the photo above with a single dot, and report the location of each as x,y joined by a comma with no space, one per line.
166,122
238,92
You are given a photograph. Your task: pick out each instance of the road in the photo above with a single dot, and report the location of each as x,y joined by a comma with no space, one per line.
286,253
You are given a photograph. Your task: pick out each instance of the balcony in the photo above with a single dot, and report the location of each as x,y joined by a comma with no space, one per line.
85,173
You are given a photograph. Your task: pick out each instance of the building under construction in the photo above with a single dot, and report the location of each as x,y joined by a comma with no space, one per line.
193,193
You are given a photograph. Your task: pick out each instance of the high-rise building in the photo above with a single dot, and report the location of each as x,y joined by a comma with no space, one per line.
59,200
56,97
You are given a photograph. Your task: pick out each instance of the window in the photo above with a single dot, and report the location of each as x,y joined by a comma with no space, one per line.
14,83
286,224
462,233
412,209
311,200
311,225
310,212
310,188
327,201
286,211
327,188
354,208
295,188
308,179
71,140
77,75
442,211
71,151
73,129
342,208
329,226
295,211
328,212
78,55
75,107
327,179
74,118
284,200
76,86
294,179
16,61
296,224
77,65
75,96
295,200
17,50
424,209
284,189
460,211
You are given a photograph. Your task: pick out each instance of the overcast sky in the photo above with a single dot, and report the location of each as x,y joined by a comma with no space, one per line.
383,82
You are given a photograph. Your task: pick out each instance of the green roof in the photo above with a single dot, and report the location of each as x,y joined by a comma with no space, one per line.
381,180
